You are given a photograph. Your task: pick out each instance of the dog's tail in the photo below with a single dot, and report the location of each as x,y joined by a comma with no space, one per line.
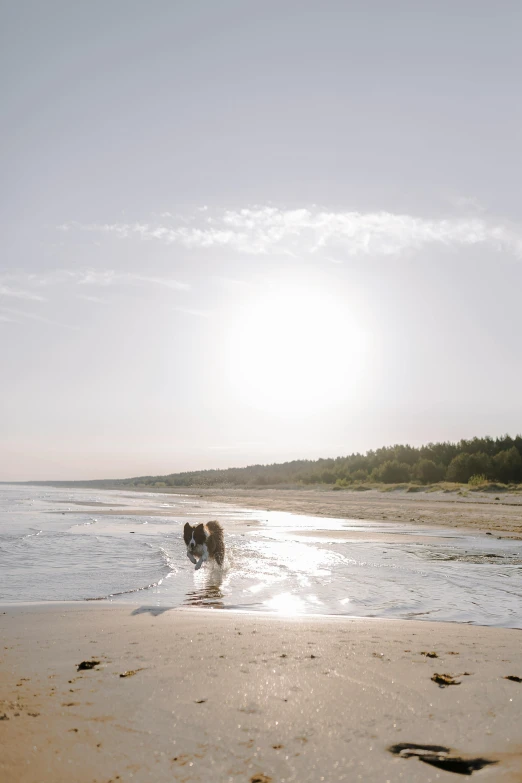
216,542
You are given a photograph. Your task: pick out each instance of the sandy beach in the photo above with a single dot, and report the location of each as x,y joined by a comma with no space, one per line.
100,691
494,512
477,511
191,695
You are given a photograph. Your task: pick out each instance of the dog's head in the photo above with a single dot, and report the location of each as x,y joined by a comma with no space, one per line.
194,535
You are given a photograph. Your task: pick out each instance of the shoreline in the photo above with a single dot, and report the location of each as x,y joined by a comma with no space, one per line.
319,566
434,509
55,606
477,511
424,509
191,695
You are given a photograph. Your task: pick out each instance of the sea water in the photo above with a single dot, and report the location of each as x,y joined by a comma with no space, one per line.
76,544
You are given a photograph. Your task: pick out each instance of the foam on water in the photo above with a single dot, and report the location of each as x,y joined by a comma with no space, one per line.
57,544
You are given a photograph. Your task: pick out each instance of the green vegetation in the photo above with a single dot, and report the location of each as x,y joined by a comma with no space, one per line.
476,462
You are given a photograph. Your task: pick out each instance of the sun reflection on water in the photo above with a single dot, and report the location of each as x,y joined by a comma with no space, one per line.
286,603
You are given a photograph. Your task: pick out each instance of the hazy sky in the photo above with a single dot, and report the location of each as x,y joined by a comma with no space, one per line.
238,231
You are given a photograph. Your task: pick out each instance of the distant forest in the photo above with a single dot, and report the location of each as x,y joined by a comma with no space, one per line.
474,462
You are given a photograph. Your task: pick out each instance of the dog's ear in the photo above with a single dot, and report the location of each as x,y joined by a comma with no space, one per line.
199,533
187,532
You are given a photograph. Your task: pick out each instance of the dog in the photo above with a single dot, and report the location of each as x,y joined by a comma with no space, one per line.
205,541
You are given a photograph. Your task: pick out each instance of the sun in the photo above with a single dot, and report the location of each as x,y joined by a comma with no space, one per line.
298,349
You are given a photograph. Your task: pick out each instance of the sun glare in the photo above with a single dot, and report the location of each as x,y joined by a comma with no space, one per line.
286,603
299,350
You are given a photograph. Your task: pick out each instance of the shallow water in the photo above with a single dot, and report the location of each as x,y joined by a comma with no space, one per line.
55,544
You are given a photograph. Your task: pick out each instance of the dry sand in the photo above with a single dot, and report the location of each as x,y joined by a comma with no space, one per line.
478,511
219,696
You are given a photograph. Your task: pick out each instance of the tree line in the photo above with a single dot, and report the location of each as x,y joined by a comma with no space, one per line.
468,461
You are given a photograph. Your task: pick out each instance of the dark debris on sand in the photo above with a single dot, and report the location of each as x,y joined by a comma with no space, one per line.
441,757
443,680
86,665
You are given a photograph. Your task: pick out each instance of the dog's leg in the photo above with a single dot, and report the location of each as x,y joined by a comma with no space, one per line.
203,558
191,557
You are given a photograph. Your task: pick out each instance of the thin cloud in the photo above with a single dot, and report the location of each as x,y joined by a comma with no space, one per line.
29,279
231,283
34,317
164,281
190,311
270,230
17,294
95,277
96,299
107,277
6,319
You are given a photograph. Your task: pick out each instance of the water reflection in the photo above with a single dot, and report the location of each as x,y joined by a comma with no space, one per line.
210,596
207,588
286,603
271,564
275,572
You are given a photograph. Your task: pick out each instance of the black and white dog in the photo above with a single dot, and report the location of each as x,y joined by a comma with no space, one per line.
204,541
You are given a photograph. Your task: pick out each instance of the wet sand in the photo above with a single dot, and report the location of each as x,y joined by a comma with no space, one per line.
477,511
85,544
388,537
199,695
